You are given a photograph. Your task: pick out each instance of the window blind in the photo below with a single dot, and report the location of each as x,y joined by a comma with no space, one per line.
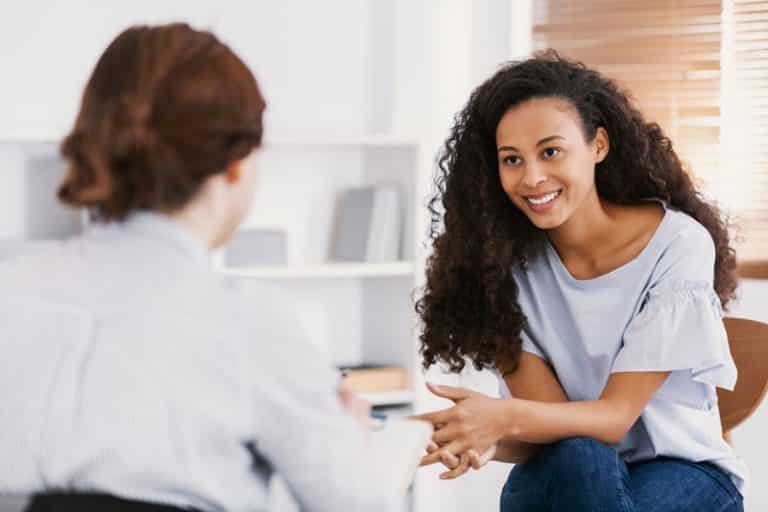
667,54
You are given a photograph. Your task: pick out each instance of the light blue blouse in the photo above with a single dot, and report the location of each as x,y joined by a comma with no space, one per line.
658,312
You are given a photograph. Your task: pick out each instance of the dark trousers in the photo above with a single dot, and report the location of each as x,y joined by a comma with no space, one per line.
94,503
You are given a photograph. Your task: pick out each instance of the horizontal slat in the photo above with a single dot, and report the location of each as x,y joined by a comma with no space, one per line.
757,54
749,17
750,9
749,37
628,23
745,46
662,6
749,64
749,26
634,42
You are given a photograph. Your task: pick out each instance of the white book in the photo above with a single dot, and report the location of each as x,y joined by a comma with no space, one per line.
368,225
385,226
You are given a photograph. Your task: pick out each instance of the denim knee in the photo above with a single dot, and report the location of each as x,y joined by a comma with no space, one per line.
575,474
583,458
580,447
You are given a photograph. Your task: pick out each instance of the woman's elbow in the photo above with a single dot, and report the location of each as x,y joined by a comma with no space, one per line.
617,428
611,437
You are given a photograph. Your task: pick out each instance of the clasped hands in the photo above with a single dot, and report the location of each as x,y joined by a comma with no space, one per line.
466,435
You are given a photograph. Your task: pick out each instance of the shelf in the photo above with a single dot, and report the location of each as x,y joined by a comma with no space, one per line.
350,142
323,271
380,398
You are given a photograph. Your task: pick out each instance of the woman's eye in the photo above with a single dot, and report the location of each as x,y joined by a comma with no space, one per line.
551,152
512,160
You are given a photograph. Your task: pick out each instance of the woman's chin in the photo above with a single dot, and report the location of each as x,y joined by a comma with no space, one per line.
546,224
547,221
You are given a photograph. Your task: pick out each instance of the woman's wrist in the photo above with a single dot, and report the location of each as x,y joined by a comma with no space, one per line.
512,414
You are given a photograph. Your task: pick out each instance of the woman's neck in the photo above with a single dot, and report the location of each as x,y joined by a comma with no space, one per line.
587,234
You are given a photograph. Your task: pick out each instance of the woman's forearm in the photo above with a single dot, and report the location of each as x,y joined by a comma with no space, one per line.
543,422
514,451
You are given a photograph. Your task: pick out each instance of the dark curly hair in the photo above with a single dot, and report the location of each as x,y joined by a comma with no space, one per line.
469,306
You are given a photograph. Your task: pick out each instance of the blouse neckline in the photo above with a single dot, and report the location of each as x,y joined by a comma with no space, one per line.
563,272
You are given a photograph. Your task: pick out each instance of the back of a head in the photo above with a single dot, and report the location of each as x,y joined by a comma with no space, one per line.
165,108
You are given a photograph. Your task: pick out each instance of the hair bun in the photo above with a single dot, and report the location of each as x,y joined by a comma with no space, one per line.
132,119
157,119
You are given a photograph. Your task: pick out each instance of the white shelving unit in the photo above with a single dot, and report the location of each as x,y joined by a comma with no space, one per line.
361,312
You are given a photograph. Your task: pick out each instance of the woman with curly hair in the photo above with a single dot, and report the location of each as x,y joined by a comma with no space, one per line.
574,255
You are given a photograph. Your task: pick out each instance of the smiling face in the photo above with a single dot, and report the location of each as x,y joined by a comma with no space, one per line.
546,166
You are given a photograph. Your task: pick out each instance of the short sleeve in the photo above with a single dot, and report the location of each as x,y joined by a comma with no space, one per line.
530,345
679,326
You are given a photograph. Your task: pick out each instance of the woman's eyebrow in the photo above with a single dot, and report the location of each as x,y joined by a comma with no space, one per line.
542,141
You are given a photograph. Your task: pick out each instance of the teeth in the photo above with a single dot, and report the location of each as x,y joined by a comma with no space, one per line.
544,199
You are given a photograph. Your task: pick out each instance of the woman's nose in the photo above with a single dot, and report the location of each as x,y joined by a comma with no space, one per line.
534,176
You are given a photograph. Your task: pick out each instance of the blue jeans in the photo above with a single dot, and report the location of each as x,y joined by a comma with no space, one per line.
584,475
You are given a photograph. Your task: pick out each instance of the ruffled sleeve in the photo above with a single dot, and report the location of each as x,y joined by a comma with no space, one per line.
680,326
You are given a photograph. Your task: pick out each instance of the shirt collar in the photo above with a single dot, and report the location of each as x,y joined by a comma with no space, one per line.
163,228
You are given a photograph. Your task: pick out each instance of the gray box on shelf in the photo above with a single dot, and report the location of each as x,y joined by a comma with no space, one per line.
368,225
46,216
256,247
29,207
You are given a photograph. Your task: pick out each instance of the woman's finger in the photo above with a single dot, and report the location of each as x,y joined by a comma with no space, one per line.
446,434
474,459
436,417
436,456
443,456
458,470
449,460
432,446
478,461
488,455
453,393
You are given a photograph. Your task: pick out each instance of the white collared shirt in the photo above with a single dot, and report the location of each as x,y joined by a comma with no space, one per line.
175,390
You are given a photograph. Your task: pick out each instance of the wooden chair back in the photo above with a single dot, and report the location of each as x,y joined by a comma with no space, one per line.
748,340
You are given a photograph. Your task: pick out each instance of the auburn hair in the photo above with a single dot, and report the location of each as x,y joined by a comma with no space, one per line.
165,108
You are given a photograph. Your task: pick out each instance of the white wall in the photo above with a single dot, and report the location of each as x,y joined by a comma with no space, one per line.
311,58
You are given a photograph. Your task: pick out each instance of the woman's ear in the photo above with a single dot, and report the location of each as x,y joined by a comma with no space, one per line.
233,172
601,145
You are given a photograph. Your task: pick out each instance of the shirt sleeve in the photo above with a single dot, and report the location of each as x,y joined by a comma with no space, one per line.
679,326
303,432
530,345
